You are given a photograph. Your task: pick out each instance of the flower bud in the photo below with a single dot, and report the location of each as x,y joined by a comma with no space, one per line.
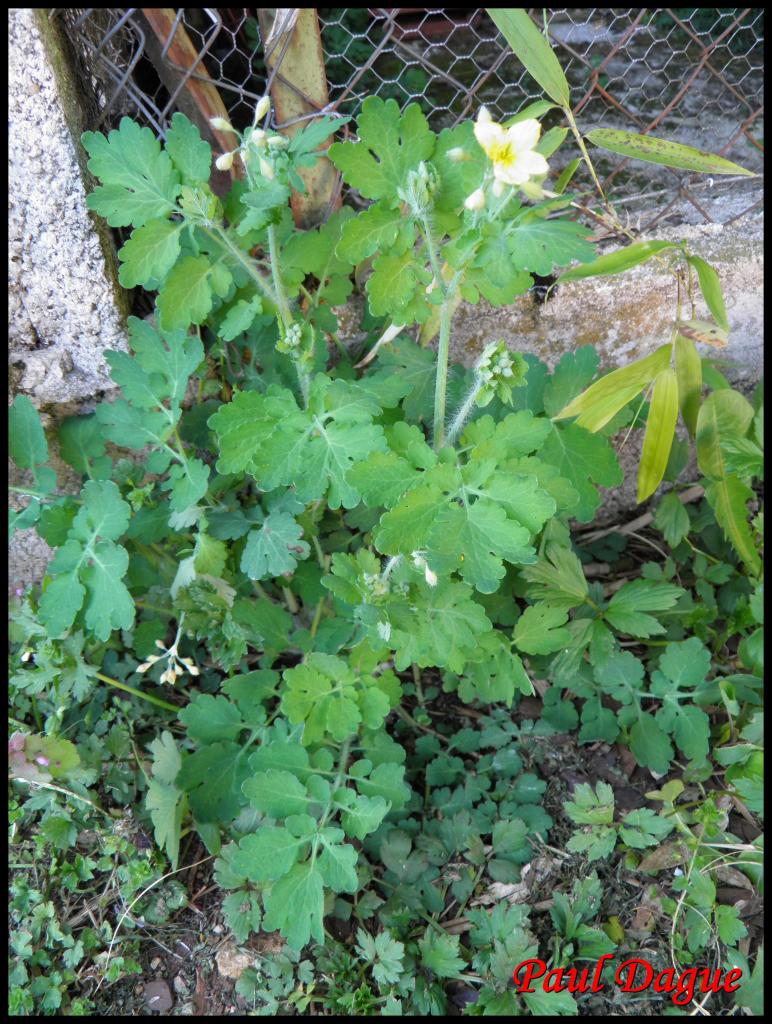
278,142
266,169
143,667
221,125
532,190
224,162
262,108
257,138
457,155
476,201
499,188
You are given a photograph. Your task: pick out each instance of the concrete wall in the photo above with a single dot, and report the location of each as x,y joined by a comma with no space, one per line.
64,303
65,306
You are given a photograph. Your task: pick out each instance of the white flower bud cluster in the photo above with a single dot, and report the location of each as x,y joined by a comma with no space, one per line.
495,362
175,667
255,142
293,336
376,584
420,563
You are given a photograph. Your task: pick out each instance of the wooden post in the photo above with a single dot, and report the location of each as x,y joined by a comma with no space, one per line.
199,100
299,88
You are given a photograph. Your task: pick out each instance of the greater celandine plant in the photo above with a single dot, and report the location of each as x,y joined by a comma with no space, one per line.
315,538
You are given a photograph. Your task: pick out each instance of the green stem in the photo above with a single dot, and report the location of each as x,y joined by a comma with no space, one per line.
220,235
464,412
317,616
433,258
586,156
39,494
304,380
137,693
278,286
441,384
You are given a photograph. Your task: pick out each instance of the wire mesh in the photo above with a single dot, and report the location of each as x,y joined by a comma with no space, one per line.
693,75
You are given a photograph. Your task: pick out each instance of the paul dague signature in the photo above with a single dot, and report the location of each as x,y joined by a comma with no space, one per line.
634,975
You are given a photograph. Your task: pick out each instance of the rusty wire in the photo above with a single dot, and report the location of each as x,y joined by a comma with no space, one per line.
693,75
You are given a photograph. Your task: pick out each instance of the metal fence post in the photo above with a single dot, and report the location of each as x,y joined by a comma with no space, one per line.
298,87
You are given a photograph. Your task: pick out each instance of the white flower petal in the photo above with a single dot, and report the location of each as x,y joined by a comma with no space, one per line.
532,162
484,116
524,135
511,174
489,134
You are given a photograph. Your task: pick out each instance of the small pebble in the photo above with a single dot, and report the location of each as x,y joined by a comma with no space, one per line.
158,998
155,963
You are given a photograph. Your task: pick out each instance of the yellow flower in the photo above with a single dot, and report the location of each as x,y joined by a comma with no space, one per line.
512,151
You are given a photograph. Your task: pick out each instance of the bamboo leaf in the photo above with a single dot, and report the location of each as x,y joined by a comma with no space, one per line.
724,413
566,175
710,286
660,431
532,50
603,399
663,152
728,498
536,109
703,331
616,262
689,375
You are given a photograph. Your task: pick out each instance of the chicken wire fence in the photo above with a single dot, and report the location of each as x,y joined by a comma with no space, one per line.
693,75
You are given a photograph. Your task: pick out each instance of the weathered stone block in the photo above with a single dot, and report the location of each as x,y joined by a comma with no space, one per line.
65,305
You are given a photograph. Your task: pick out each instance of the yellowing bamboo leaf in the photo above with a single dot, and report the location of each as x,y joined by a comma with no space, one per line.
663,152
704,332
603,399
616,262
660,431
689,375
710,286
533,51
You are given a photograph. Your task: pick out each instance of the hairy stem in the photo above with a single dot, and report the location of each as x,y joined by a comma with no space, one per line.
278,286
220,235
464,412
433,257
441,384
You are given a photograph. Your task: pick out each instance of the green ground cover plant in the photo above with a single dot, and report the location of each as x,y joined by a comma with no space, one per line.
306,591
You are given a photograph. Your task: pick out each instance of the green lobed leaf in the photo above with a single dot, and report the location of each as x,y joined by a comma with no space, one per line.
274,548
139,181
390,144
